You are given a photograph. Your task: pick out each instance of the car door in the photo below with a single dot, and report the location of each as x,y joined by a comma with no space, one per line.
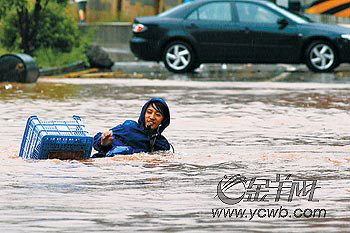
270,40
217,34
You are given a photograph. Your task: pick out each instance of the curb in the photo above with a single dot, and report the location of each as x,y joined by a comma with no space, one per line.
76,66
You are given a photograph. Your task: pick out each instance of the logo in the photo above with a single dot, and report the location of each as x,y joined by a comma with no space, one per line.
236,188
228,184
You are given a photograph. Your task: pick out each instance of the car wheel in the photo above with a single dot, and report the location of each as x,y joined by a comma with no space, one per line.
321,57
178,57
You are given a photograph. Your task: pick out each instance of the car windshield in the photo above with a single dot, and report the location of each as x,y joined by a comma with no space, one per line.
171,10
292,16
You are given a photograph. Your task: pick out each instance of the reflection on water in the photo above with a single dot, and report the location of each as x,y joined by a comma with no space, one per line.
217,128
246,72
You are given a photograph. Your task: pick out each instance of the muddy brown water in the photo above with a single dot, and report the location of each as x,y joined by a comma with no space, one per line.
256,129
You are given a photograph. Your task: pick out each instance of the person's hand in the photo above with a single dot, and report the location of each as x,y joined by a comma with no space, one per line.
107,138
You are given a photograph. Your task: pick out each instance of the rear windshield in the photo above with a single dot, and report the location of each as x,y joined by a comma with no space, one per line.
169,12
296,17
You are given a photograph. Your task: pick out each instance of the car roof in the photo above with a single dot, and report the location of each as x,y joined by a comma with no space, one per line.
259,1
180,10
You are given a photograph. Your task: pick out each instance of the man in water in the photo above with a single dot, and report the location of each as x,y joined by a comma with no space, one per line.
134,137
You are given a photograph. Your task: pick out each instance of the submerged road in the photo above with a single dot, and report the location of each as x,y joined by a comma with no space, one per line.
265,130
238,72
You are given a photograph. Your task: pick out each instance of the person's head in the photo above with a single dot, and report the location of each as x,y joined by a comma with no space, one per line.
155,114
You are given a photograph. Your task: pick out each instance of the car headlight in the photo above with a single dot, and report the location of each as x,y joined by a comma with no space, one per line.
346,36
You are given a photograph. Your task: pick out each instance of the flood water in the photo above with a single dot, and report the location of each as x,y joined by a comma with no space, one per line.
218,128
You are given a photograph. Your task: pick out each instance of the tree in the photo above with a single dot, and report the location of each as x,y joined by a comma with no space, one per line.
28,14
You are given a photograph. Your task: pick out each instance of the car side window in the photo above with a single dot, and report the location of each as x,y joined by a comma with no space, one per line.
254,13
219,11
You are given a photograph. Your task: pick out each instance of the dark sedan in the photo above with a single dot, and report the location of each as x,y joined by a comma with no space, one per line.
237,31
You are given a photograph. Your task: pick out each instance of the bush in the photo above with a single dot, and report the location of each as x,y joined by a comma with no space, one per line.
9,38
58,41
50,57
47,58
56,30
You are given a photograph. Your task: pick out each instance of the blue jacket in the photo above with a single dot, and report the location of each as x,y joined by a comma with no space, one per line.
133,137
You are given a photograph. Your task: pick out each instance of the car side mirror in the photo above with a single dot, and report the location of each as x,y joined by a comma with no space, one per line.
282,22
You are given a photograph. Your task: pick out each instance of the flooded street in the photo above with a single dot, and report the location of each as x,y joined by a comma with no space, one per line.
219,126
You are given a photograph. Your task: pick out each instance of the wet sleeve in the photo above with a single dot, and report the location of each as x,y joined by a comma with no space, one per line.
98,146
123,150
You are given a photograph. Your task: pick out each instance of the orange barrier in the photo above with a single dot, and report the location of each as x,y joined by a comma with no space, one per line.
333,7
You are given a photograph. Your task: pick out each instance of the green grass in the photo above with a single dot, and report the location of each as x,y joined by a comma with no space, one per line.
47,58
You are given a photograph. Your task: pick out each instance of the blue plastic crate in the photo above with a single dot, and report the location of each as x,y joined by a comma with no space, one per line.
56,139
